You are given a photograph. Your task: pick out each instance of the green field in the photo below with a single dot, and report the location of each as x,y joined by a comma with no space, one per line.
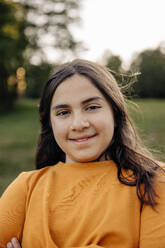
19,132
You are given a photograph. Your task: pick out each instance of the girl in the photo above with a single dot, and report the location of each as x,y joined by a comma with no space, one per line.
95,184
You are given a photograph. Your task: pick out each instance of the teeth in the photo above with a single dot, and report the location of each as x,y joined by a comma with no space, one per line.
82,139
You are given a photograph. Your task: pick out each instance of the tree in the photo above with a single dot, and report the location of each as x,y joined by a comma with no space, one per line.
50,25
37,75
26,28
12,45
151,82
124,78
114,62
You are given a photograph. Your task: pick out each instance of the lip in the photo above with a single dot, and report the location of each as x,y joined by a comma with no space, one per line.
82,139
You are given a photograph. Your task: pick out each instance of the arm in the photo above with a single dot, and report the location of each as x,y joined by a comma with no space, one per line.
152,233
12,210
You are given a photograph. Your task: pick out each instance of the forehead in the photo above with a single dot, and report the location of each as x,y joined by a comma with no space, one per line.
75,88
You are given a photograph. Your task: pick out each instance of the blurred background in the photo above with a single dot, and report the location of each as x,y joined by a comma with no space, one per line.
38,35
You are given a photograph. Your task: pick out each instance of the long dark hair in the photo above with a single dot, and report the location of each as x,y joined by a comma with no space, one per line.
125,149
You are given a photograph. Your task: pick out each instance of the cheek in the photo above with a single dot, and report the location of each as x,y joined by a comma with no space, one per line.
59,131
104,123
106,127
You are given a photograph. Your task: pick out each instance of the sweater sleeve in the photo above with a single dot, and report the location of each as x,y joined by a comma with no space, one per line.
12,210
152,233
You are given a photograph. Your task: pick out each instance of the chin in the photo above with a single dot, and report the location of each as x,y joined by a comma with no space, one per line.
87,159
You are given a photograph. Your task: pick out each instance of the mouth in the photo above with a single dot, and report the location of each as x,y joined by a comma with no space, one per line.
82,139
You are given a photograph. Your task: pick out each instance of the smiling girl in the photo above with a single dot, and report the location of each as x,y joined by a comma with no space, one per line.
95,184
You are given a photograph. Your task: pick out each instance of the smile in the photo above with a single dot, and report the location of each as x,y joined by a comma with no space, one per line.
83,139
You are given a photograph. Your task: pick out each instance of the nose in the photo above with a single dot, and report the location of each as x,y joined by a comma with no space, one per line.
79,122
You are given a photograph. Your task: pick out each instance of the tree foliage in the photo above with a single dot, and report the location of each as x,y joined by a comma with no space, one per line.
50,25
12,46
37,75
151,82
27,29
114,62
125,78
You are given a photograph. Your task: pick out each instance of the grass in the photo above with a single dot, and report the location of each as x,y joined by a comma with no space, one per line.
19,132
149,119
18,138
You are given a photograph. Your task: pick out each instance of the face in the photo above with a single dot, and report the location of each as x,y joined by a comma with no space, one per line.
82,120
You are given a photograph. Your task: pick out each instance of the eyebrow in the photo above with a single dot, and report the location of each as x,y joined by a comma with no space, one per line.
82,103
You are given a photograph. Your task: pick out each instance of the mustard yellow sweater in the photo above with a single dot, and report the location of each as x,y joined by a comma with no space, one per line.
79,205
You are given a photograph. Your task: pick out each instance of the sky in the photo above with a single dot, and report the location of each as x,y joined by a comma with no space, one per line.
124,27
119,27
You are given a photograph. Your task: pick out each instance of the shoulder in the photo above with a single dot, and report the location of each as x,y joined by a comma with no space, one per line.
32,177
153,219
27,180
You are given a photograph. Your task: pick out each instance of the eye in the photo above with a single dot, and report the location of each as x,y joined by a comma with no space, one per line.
63,113
93,107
